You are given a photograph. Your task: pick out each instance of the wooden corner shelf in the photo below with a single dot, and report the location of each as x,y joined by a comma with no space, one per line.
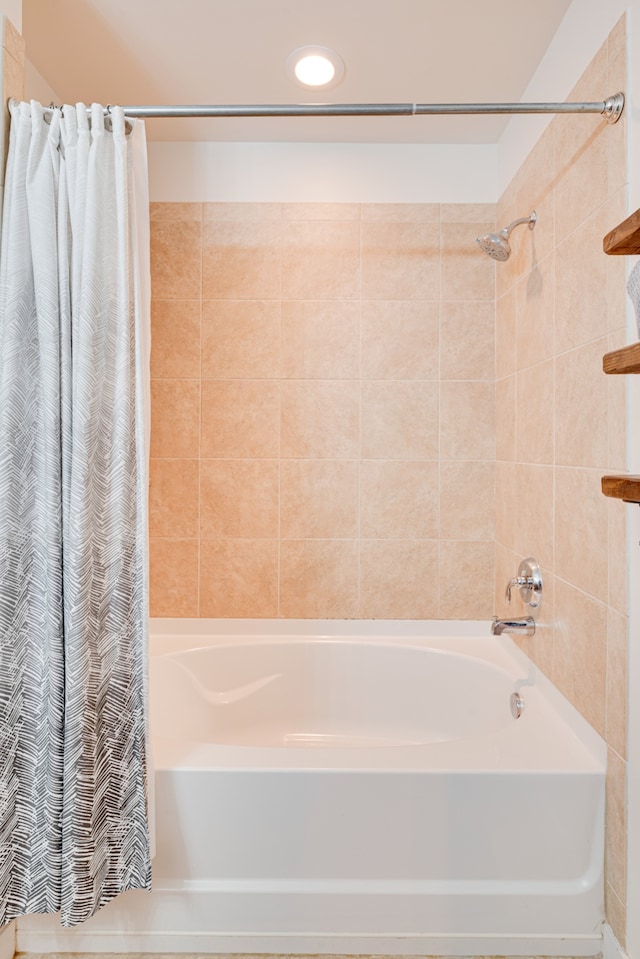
624,360
624,238
625,487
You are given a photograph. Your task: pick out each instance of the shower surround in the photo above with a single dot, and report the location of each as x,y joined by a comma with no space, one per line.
351,523
561,304
323,441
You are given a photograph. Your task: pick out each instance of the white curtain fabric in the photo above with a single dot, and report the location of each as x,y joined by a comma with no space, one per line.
74,352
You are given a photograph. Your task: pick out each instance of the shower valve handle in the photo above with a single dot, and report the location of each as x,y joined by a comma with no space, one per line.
528,581
520,581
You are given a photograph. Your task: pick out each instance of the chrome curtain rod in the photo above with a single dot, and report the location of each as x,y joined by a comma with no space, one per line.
611,108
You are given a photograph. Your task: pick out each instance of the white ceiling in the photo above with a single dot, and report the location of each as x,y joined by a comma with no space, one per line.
234,51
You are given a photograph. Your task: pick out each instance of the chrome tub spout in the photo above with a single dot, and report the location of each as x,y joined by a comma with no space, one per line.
525,627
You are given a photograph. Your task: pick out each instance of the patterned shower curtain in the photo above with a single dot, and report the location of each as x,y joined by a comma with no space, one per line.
74,346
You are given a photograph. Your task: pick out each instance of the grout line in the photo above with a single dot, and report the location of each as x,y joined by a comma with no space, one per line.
199,568
438,603
279,537
359,461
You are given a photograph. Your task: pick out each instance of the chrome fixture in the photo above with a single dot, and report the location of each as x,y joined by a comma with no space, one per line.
528,581
526,626
611,108
517,705
497,244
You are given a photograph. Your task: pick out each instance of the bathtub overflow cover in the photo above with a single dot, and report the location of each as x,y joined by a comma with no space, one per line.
517,705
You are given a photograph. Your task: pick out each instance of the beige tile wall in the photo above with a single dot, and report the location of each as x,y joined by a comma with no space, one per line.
561,422
323,411
334,435
12,80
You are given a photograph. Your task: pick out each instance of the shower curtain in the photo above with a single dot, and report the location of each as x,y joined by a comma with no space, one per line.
74,345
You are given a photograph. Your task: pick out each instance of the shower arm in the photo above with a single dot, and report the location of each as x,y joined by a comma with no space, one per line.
611,108
531,220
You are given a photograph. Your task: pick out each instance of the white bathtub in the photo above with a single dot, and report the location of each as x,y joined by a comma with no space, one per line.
368,792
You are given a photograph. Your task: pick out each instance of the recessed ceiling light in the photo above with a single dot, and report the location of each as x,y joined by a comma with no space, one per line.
315,66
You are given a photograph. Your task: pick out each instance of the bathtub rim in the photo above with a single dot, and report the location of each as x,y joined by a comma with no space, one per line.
328,653
162,627
178,635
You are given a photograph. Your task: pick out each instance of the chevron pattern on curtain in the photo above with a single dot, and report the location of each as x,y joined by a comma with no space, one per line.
73,516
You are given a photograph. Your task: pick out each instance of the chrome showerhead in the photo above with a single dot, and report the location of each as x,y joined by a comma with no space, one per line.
497,244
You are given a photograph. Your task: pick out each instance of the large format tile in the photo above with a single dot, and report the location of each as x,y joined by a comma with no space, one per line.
398,580
173,577
399,340
241,259
399,499
240,339
176,255
320,339
239,578
175,418
174,498
320,419
399,420
240,419
319,499
239,498
321,260
318,579
400,261
175,339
